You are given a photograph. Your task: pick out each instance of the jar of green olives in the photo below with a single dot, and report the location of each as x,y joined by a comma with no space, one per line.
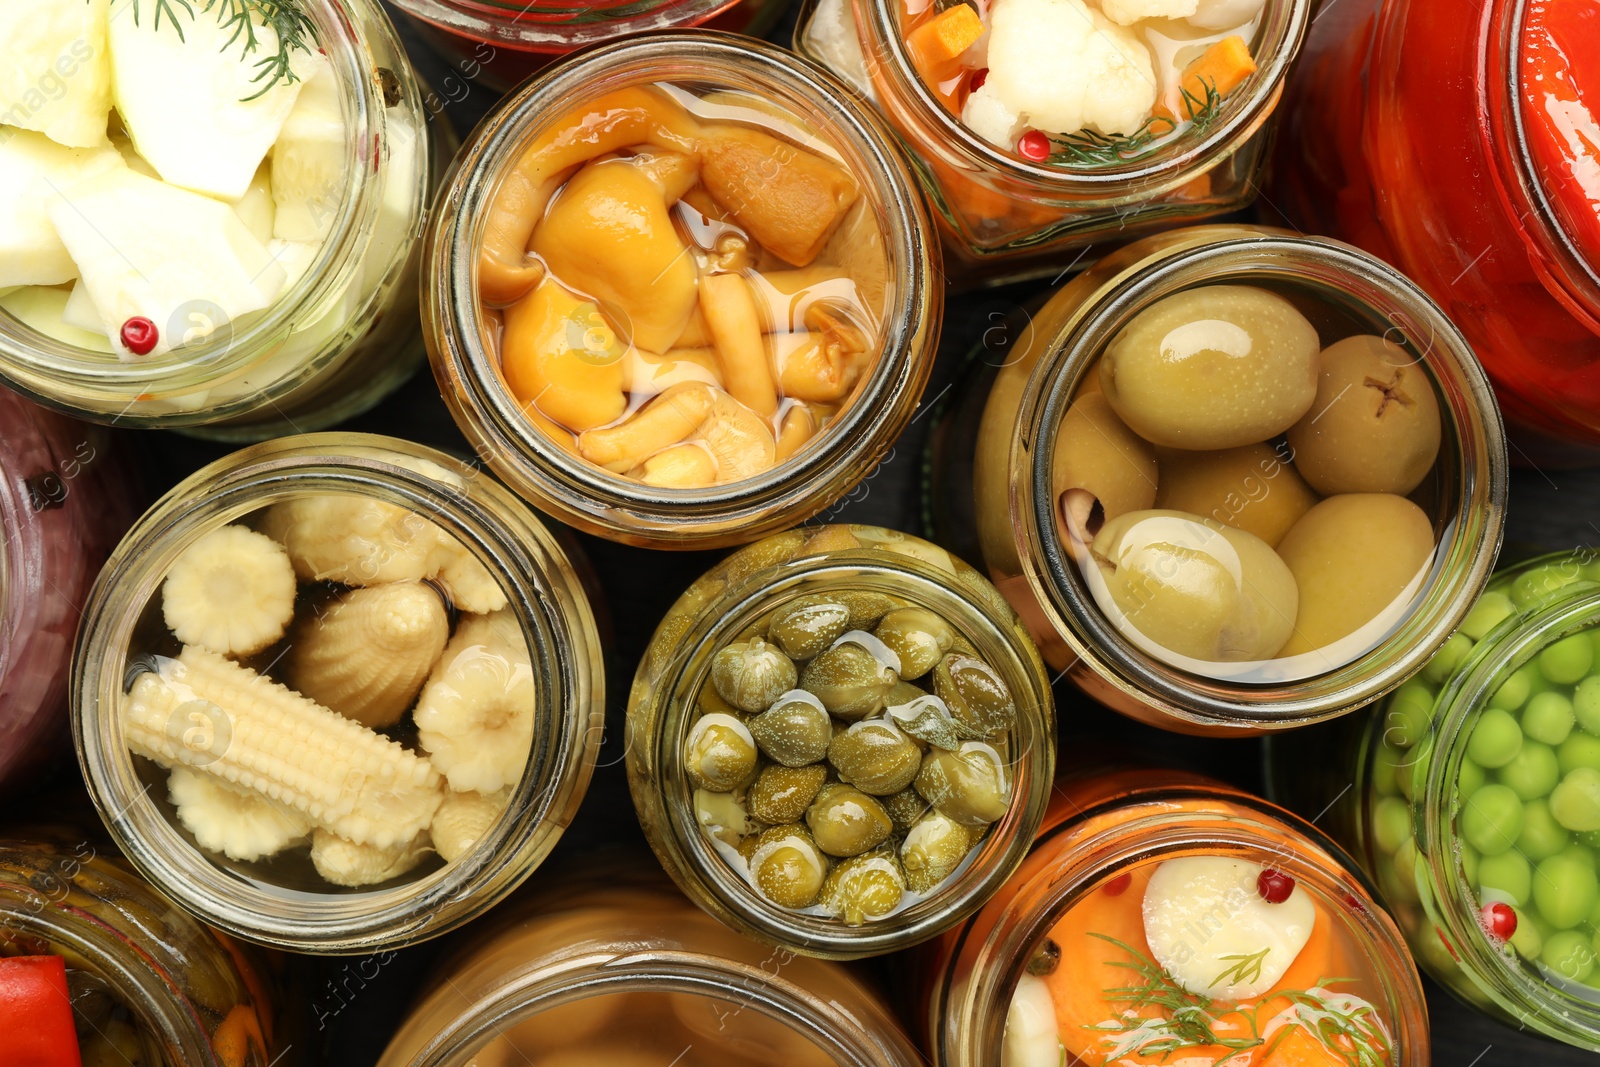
1238,480
1476,800
840,740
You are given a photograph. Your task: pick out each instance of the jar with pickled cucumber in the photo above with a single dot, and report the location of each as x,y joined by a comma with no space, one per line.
333,685
1239,480
841,740
1477,801
681,311
1165,918
98,970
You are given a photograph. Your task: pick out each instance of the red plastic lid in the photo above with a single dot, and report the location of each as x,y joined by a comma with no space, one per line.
1561,112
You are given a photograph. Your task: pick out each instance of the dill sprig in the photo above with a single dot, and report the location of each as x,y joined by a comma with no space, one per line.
1088,148
1246,968
293,27
1347,1026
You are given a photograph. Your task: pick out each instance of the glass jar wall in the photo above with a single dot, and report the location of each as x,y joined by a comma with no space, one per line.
840,740
1185,538
337,692
291,311
734,359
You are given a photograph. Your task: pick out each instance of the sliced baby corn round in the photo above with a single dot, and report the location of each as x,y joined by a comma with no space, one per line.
346,863
463,819
367,654
475,715
232,591
239,824
210,714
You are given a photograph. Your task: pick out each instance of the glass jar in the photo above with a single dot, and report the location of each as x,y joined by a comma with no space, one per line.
549,386
1473,796
1004,215
339,336
143,977
1098,884
940,843
1371,156
348,642
613,967
1037,545
65,500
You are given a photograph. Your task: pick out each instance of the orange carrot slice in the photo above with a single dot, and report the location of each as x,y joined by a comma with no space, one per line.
1298,1048
1222,67
234,1037
945,36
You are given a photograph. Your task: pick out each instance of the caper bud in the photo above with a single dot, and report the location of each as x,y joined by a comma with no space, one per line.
904,808
782,794
903,693
850,681
1045,960
917,548
928,720
846,822
969,785
876,757
795,731
918,637
933,849
750,675
762,555
786,866
808,625
722,815
711,703
719,754
864,888
865,608
975,694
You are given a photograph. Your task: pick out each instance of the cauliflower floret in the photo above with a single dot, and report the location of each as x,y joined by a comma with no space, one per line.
990,119
831,37
1127,12
1225,14
1063,67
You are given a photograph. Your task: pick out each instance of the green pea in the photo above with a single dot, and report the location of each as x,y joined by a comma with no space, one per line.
1404,871
1564,890
1591,839
1581,853
1486,614
1406,719
1527,940
1384,762
1448,658
1469,861
1586,702
1412,773
1516,689
1568,659
1548,718
1542,583
1569,954
1391,823
1576,801
1541,835
1491,819
1579,750
1471,778
1496,739
1508,873
1594,916
1534,771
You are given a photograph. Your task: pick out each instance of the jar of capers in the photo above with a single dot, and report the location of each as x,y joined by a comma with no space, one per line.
841,740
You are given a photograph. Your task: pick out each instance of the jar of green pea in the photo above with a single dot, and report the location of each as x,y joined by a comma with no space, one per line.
1475,802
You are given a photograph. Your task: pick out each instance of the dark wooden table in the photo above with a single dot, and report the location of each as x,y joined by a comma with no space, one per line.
1550,509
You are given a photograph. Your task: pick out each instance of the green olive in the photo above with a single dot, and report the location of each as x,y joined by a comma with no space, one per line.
934,847
969,785
1196,587
786,866
722,815
750,675
808,625
1352,557
1252,488
1214,367
918,637
719,754
1100,469
782,794
849,680
795,731
1374,426
876,757
845,821
865,887
905,808
975,694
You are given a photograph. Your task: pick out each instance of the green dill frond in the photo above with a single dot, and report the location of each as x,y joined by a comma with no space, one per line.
1088,148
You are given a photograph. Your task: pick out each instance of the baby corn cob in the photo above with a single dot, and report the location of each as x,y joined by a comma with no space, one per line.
346,863
463,818
208,713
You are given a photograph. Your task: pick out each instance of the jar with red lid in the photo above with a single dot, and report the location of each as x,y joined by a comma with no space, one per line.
1466,151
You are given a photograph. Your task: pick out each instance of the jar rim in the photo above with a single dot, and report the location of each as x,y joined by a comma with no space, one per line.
551,609
525,30
1461,562
609,505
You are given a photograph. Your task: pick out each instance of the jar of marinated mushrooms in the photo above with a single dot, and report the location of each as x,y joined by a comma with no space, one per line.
622,970
1040,126
1238,481
1165,918
337,692
681,291
65,500
1476,800
216,227
840,740
100,970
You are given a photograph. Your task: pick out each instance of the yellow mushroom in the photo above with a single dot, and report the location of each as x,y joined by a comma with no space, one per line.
558,353
667,420
730,311
645,374
798,427
685,466
823,364
788,199
740,439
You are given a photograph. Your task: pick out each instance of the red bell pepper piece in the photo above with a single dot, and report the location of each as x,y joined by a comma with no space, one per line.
36,1014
